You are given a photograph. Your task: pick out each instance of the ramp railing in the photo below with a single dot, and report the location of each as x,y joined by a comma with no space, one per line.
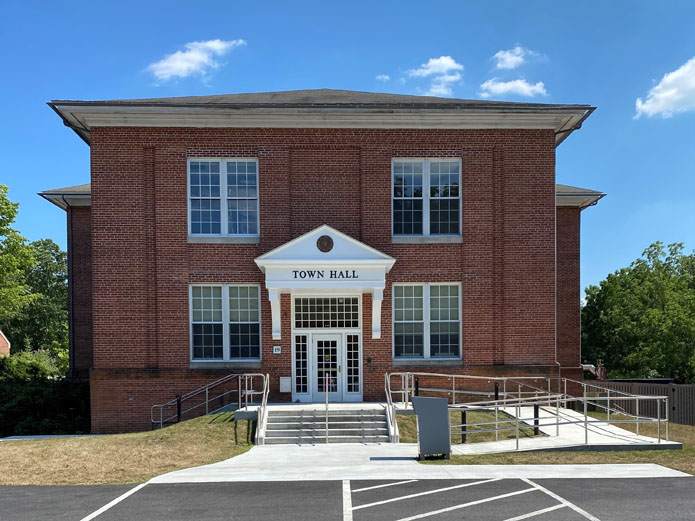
550,399
233,391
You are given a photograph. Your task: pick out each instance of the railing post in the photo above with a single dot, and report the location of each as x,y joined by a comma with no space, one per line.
497,391
497,425
453,390
658,420
548,391
666,405
417,386
161,417
536,420
637,415
565,393
517,426
326,386
504,392
207,400
178,408
609,405
238,386
557,415
246,392
586,420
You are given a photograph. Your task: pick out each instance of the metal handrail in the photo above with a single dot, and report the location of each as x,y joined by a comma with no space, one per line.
243,395
262,418
512,396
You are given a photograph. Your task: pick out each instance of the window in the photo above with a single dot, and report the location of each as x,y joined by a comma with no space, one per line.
426,197
320,312
225,323
223,197
426,321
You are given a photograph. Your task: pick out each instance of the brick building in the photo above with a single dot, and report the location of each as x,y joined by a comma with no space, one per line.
306,232
4,345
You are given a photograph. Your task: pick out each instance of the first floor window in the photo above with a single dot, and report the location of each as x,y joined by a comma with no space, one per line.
426,321
225,322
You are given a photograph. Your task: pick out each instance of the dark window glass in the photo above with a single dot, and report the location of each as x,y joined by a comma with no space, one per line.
207,341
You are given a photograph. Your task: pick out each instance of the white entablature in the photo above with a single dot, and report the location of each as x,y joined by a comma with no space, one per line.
325,261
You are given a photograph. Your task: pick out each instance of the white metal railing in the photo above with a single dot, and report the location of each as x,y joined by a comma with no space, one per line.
262,418
218,393
516,393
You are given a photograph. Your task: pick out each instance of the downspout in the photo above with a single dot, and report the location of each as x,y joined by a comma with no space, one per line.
557,363
71,293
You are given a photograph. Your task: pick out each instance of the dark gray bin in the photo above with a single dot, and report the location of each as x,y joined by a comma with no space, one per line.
433,426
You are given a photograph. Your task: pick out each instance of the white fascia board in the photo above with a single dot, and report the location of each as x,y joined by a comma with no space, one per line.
215,117
581,201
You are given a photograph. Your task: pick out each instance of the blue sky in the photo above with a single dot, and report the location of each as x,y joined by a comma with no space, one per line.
608,54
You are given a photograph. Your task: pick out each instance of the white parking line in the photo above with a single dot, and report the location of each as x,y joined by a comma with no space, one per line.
470,504
536,513
562,500
112,503
386,485
347,501
464,485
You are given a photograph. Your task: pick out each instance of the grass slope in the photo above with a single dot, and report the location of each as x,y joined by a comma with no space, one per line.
683,460
121,458
407,427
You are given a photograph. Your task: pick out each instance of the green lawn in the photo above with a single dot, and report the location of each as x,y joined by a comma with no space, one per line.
122,458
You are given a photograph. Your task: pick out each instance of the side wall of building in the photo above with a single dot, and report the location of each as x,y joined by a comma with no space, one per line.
568,291
80,289
143,263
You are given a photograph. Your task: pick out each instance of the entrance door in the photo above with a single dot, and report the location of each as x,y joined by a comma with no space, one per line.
327,369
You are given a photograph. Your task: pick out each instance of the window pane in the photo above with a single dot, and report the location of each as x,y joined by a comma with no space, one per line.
329,312
408,321
207,341
444,321
244,322
204,183
242,198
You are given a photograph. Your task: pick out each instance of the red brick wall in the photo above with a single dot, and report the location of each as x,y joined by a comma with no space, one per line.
143,264
4,346
568,287
81,289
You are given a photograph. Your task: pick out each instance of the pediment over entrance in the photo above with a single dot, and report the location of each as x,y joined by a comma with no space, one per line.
325,261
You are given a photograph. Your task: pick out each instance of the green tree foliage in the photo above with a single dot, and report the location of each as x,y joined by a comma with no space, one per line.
15,259
43,323
641,320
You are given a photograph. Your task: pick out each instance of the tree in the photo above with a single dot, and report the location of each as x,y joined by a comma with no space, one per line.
641,319
43,323
15,259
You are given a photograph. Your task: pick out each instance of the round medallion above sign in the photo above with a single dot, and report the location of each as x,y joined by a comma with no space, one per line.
324,243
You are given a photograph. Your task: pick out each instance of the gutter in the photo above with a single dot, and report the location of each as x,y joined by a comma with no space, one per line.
577,126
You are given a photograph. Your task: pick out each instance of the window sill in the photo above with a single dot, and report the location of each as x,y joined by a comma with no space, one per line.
419,362
410,239
225,365
194,239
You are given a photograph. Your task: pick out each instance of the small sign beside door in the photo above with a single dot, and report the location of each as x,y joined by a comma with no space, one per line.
277,350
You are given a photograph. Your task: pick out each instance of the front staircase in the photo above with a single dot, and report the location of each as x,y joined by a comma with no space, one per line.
306,426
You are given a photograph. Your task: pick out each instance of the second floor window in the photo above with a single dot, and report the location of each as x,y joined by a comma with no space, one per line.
426,197
223,195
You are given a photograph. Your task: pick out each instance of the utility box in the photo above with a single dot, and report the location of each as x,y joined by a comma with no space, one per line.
433,426
285,384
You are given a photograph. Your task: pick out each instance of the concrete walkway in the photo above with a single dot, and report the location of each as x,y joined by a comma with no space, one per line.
355,461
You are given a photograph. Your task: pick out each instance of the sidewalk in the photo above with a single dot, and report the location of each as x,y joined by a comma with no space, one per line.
355,461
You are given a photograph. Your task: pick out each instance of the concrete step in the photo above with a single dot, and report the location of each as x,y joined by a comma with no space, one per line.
332,433
322,412
335,418
322,439
322,424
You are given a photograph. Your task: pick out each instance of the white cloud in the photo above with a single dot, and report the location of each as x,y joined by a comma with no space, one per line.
494,87
383,77
441,65
674,93
512,58
197,58
444,72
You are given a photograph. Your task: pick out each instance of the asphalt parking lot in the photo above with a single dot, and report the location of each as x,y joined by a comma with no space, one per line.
654,499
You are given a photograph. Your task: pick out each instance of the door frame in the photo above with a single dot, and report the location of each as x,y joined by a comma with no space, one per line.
310,334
